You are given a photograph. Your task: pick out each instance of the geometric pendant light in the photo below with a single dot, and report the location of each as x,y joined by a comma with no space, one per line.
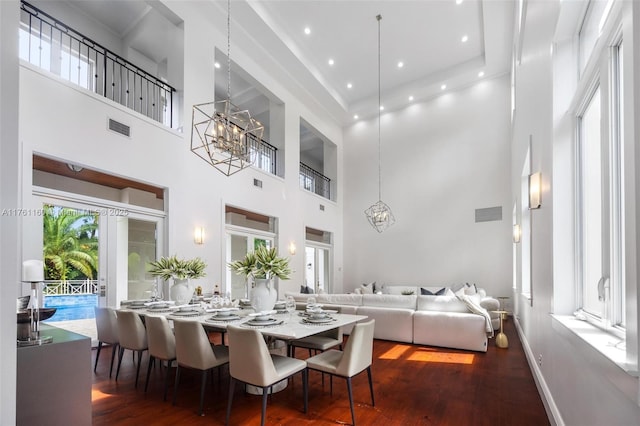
220,131
379,214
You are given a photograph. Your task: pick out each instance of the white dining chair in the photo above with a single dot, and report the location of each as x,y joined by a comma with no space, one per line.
251,363
107,327
162,346
133,336
356,357
195,351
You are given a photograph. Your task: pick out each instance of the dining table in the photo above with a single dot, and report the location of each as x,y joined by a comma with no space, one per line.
283,328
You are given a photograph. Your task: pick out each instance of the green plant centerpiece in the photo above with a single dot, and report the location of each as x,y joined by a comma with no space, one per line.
180,272
262,265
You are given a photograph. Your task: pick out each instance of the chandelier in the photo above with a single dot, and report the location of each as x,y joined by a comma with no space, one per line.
221,133
379,214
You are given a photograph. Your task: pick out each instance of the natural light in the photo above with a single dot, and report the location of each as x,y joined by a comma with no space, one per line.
96,395
427,355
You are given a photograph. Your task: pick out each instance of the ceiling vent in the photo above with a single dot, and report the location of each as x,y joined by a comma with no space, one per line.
257,183
116,126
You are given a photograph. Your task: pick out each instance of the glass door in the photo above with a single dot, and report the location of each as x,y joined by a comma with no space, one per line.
316,274
142,248
239,243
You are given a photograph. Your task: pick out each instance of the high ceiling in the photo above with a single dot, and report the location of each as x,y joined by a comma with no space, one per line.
426,36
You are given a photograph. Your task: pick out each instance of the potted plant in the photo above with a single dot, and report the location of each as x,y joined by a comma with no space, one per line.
262,265
181,272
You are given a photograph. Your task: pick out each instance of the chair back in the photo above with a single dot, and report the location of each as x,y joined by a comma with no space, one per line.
193,349
162,342
249,357
107,325
358,353
131,331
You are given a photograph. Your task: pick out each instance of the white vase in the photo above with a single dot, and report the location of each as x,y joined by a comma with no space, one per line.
263,295
181,291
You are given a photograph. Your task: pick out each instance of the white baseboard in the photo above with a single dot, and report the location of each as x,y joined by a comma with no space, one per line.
547,399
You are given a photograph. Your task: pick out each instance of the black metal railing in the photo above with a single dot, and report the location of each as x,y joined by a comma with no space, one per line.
264,154
49,44
314,181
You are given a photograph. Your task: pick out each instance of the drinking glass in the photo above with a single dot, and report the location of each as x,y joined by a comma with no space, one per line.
290,305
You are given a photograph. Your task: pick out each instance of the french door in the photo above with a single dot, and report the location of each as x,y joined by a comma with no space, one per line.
317,264
241,241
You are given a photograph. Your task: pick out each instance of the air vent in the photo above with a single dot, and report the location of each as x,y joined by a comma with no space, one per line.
116,126
257,182
489,214
321,207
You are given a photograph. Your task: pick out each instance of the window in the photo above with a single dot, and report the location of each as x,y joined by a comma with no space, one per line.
600,227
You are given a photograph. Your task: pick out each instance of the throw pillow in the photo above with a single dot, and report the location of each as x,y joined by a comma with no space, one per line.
368,288
470,289
426,292
306,289
457,287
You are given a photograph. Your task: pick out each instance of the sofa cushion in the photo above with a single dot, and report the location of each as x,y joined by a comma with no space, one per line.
391,323
306,289
400,289
340,299
389,301
450,330
441,304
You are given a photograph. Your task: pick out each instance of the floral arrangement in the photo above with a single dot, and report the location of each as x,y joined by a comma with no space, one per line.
262,263
173,267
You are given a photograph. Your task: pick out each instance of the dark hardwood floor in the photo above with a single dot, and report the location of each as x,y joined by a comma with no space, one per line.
413,385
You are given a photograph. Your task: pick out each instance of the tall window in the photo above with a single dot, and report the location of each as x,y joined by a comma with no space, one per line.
600,230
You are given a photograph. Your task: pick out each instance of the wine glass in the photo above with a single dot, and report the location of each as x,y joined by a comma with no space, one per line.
311,302
290,305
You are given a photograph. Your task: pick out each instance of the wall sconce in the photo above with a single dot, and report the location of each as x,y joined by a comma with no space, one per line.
517,233
535,190
292,248
198,235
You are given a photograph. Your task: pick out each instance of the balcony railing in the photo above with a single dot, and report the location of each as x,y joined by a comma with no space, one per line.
265,154
70,287
314,181
49,44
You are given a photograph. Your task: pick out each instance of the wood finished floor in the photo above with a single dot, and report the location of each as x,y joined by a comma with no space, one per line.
413,385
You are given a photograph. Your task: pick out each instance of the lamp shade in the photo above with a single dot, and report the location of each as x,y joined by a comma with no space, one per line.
32,271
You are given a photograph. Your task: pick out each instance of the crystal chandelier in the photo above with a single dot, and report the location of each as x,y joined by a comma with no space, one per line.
220,131
379,214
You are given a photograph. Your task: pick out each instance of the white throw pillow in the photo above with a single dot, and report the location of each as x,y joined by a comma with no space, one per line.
368,288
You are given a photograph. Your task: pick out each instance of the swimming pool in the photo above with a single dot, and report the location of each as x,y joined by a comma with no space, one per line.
71,306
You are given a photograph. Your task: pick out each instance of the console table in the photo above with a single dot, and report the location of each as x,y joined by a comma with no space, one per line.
54,380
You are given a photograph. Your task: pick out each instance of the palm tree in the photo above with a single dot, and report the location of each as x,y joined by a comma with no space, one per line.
70,243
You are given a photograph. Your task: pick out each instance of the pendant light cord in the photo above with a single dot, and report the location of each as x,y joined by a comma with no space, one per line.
229,51
379,18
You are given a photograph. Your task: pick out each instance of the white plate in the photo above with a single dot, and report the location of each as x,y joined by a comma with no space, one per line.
270,321
225,318
318,320
186,313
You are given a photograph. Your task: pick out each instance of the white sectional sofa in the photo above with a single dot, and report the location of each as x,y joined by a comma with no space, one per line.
441,320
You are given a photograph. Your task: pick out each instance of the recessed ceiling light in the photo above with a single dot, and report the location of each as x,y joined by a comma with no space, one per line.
481,74
465,38
459,1
307,30
349,85
381,107
331,62
216,64
410,98
444,86
355,117
400,64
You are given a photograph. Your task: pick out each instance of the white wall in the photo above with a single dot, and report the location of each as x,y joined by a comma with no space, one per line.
580,386
197,193
10,260
441,160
